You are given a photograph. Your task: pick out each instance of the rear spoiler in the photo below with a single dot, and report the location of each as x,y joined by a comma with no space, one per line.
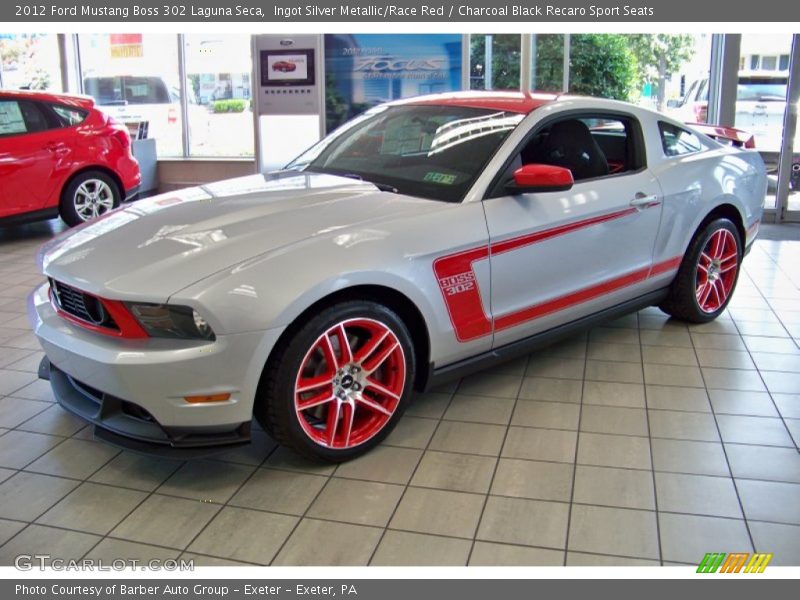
736,137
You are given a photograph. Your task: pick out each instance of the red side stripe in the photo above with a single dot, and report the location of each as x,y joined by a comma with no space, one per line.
539,236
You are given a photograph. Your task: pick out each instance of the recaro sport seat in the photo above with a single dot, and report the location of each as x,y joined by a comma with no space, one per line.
570,144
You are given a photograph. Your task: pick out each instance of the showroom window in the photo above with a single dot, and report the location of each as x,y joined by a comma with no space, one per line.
494,62
30,62
134,78
219,95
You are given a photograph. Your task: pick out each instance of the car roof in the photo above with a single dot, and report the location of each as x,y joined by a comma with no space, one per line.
73,99
509,101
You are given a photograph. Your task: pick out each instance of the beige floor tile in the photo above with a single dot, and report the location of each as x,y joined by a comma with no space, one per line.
201,560
471,438
788,405
279,491
206,480
731,402
360,502
673,375
37,390
687,538
581,559
764,462
683,426
384,464
540,444
54,421
438,512
770,501
782,383
136,471
480,409
604,486
773,361
165,521
613,335
548,415
93,508
717,341
489,554
12,381
756,343
614,352
15,411
488,384
551,390
412,432
614,420
556,366
620,531
286,459
430,405
20,448
401,548
457,472
55,543
74,458
524,522
110,549
733,379
603,393
685,456
533,479
5,474
782,541
329,544
25,496
697,495
621,372
614,451
9,529
753,430
665,397
669,355
665,337
725,359
253,454
244,535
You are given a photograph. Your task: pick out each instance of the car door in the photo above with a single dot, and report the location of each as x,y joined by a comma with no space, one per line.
30,149
557,256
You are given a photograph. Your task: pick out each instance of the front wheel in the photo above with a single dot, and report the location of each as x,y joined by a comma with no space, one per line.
340,384
87,196
708,274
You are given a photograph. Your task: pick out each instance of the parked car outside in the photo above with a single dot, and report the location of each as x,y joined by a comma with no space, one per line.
61,156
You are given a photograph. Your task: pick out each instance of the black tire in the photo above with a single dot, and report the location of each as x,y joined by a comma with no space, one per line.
77,206
682,301
275,406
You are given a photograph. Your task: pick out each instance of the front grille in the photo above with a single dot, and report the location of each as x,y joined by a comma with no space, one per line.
81,305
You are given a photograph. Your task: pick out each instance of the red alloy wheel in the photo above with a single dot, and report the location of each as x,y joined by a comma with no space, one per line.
350,383
716,271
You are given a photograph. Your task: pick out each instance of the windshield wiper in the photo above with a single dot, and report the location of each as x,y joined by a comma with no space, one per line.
384,187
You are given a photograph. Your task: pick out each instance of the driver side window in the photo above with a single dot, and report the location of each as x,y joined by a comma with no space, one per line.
589,145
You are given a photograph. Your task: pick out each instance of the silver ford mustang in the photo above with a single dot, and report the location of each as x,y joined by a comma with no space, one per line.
421,240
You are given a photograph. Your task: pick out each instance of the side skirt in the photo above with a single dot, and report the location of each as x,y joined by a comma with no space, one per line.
440,375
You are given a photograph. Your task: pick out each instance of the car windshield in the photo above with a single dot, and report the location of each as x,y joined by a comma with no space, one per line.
761,89
433,152
121,90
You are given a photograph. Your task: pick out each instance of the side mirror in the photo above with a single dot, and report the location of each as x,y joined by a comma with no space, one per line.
541,178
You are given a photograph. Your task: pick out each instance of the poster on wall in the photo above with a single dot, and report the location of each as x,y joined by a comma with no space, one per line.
363,70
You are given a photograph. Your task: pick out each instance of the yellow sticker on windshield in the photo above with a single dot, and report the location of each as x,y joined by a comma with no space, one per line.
442,178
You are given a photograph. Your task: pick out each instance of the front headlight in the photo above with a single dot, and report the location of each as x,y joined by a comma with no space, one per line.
171,321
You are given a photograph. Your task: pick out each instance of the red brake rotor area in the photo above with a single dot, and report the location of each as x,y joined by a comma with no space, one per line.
350,383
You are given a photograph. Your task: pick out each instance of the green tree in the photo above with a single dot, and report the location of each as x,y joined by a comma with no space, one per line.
505,62
659,56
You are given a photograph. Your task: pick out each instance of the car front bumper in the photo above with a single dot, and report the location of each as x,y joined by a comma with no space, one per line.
133,390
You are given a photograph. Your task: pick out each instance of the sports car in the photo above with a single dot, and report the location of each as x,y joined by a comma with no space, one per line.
421,240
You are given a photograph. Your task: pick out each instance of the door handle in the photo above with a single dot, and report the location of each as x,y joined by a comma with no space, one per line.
642,200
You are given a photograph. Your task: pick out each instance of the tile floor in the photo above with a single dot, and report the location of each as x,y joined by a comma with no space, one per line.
643,442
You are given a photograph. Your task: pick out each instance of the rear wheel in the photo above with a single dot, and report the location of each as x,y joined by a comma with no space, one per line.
341,383
708,274
87,196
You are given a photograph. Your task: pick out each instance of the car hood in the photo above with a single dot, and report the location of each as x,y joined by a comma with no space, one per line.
153,248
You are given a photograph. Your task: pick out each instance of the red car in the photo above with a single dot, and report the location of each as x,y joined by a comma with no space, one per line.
59,155
284,66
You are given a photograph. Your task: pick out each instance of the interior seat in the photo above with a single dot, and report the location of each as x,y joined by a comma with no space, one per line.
570,144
